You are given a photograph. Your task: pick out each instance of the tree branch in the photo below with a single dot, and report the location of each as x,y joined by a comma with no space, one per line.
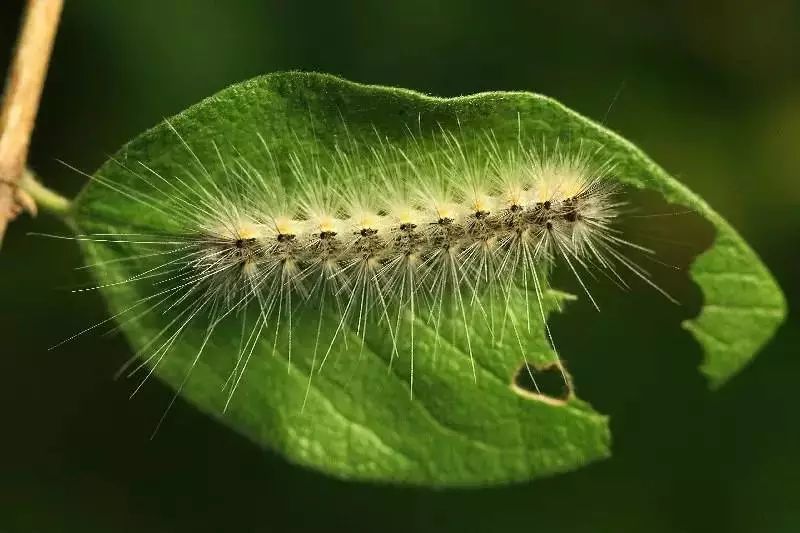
21,100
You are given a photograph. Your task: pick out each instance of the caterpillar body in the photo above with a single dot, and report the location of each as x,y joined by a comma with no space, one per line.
384,238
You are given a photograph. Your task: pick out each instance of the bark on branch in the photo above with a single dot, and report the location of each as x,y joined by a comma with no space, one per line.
21,99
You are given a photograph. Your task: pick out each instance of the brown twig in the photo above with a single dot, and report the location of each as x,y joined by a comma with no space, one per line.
21,100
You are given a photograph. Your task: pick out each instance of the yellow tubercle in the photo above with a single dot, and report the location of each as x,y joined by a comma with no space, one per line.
558,184
516,195
327,224
407,215
367,220
248,230
446,210
481,203
287,226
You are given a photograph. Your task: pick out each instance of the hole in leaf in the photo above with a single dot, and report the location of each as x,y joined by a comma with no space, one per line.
548,383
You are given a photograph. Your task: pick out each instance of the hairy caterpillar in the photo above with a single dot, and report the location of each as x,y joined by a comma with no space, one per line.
381,237
365,272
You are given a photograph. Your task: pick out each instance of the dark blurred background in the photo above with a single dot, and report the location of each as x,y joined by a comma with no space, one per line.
710,90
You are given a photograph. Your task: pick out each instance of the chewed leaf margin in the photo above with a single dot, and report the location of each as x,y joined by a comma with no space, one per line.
743,305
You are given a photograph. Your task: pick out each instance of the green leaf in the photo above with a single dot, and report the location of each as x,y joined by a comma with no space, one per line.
360,422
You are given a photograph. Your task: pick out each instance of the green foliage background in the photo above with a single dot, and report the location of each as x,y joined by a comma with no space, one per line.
709,92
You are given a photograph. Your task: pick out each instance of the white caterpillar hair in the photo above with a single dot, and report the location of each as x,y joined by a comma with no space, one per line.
380,234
